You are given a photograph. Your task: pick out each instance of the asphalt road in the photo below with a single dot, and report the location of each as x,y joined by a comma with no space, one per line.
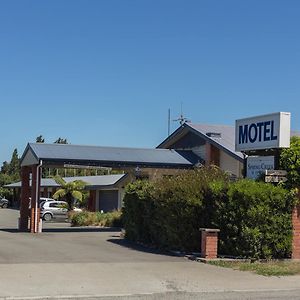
76,263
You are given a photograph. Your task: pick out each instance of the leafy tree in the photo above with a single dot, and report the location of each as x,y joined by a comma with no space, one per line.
40,139
5,179
70,191
5,168
10,172
61,141
290,161
14,166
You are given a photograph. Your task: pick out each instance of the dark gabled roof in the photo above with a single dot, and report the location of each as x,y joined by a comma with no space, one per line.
91,181
221,136
107,156
226,140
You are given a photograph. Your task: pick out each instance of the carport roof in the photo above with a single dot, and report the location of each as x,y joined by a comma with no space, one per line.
91,181
62,154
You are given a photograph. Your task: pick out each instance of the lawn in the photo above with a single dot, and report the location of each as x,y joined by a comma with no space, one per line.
270,268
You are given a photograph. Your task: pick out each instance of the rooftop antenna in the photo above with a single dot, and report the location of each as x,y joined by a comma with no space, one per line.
181,118
169,121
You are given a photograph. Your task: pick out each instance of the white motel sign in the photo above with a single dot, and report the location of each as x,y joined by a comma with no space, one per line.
263,132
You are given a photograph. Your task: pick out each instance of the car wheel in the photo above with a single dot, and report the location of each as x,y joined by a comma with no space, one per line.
5,205
47,217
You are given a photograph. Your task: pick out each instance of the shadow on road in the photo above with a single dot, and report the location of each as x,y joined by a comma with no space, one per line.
81,229
64,230
138,247
11,230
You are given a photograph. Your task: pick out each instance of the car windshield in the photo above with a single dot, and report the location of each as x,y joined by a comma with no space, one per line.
42,203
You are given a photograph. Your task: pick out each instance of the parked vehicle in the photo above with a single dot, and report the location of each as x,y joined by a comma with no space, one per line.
41,201
55,210
4,203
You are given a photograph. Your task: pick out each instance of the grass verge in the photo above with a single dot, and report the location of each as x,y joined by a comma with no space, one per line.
270,268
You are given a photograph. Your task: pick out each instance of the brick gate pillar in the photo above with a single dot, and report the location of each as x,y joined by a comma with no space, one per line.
35,195
209,243
296,232
25,194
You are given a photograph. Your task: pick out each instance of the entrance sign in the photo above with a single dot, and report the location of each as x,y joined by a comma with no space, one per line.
258,165
276,176
263,132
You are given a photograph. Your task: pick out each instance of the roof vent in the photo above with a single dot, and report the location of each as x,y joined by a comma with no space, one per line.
214,134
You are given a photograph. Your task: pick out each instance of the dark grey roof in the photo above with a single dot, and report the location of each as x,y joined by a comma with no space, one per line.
109,156
226,139
222,136
92,181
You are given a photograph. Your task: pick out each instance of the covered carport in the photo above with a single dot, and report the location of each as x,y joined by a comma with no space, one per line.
157,162
102,185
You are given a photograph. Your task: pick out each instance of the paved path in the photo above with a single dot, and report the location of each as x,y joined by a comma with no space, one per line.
86,263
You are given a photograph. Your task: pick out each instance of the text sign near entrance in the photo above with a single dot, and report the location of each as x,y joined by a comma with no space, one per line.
263,132
257,165
276,176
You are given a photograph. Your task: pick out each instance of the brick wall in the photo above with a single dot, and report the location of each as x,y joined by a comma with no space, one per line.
209,243
296,232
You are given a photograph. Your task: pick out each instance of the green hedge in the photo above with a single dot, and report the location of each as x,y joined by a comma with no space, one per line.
254,217
168,213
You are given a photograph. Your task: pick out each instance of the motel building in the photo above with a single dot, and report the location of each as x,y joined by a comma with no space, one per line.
191,145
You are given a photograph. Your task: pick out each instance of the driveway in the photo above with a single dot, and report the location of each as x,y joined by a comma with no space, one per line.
75,262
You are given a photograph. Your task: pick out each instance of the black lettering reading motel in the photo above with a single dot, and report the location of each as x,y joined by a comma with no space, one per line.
257,132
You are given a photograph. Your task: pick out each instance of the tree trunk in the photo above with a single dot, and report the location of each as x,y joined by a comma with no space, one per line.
70,202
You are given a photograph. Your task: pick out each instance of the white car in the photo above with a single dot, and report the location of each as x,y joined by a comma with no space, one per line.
55,209
41,201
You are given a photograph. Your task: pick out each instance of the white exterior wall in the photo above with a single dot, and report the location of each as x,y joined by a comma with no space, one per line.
230,164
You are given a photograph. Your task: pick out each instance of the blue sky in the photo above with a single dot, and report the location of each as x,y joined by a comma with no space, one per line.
106,72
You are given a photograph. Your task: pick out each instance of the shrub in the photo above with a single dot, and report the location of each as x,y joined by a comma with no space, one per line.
138,211
290,161
254,217
85,218
169,212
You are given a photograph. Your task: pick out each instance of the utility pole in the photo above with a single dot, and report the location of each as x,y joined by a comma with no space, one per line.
169,121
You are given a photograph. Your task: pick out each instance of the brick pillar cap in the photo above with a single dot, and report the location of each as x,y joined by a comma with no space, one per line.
209,230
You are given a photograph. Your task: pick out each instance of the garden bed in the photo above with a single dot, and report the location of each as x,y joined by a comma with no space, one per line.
86,218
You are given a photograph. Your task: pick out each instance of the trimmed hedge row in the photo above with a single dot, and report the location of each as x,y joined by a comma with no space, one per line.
254,217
